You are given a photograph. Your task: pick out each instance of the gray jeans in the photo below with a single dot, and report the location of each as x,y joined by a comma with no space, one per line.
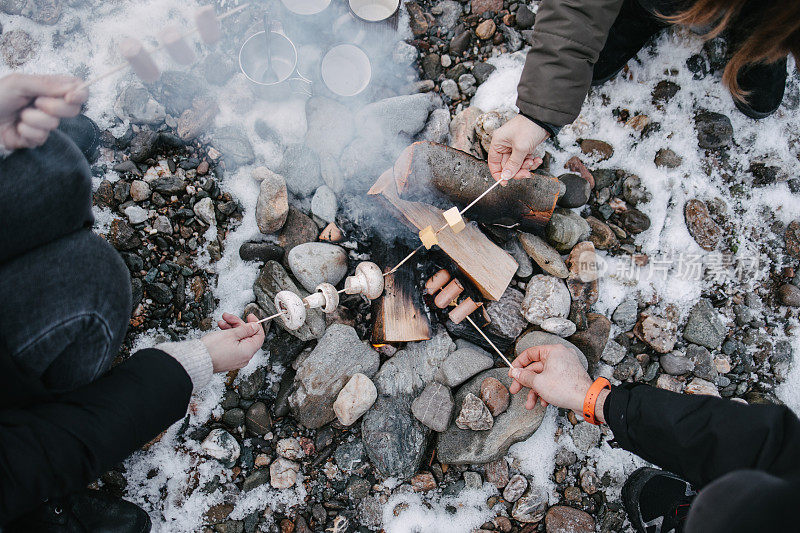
64,292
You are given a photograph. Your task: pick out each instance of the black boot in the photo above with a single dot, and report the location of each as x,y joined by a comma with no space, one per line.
633,28
84,133
656,501
89,511
764,85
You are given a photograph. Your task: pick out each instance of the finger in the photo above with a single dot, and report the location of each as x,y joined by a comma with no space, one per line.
77,96
38,119
530,403
53,86
57,107
232,319
513,164
33,136
525,377
534,353
245,331
515,387
223,325
495,160
544,403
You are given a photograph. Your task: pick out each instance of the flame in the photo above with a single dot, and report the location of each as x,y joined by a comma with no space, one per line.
376,346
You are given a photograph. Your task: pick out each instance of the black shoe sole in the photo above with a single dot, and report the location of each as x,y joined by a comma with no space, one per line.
630,494
750,112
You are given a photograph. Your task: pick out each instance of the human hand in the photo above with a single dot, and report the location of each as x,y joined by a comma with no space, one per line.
511,151
554,375
236,343
32,106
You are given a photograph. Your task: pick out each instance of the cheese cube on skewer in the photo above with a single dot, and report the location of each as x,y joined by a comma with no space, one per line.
139,60
207,24
454,220
428,237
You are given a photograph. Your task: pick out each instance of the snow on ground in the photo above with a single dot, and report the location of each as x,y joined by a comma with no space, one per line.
182,489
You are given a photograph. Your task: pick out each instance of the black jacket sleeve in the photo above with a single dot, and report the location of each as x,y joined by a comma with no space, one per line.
58,446
701,438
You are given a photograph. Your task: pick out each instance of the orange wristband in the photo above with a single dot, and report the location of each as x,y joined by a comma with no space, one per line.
591,399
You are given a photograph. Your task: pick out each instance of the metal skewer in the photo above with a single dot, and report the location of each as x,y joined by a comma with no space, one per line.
489,341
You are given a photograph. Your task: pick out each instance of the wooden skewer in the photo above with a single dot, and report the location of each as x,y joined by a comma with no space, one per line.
475,201
489,341
276,315
123,66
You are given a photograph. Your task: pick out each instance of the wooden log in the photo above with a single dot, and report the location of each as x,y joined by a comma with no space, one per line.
400,312
427,168
486,265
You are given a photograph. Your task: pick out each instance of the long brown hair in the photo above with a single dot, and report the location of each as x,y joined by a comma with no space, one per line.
774,26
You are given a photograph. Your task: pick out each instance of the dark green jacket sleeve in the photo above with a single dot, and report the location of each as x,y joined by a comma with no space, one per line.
567,39
55,447
702,438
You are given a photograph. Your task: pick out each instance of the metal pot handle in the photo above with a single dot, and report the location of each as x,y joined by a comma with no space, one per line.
301,85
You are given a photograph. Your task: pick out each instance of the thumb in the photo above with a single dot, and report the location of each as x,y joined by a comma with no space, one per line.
525,376
53,86
514,164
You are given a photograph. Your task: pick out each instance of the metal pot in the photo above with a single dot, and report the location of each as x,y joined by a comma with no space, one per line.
375,11
252,63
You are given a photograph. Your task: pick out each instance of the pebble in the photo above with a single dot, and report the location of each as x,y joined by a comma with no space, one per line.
659,333
565,229
704,366
313,263
434,407
625,314
474,415
162,225
301,169
404,53
592,340
531,507
563,519
233,144
792,239
577,191
670,383
544,255
222,446
283,473
462,364
666,158
495,395
450,89
545,297
714,130
423,482
516,487
525,17
289,448
702,227
135,214
704,326
589,482
586,436
702,387
486,29
613,352
140,191
462,129
324,205
298,229
272,206
599,149
466,83
664,91
602,235
635,221
260,251
18,47
258,419
676,363
472,480
256,479
394,440
204,209
558,326
497,473
789,295
355,399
